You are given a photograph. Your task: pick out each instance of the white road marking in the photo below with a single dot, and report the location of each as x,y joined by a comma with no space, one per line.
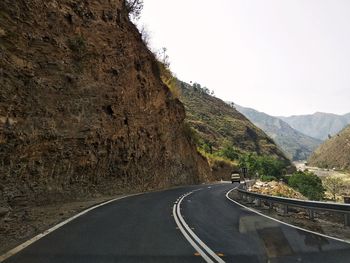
274,219
191,236
189,239
41,235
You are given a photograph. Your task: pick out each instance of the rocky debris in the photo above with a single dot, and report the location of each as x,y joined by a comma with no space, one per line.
276,189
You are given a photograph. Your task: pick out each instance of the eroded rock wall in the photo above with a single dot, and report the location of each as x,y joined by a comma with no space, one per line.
82,108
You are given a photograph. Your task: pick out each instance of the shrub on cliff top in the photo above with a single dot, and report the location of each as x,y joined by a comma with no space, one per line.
134,8
166,75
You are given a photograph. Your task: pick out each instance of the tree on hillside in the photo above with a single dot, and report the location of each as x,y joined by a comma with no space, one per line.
134,8
206,90
333,185
229,152
261,165
168,78
163,57
145,35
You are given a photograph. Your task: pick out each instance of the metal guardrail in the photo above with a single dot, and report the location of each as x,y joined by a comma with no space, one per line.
310,206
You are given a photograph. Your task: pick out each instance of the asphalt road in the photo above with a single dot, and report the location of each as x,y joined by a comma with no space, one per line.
188,224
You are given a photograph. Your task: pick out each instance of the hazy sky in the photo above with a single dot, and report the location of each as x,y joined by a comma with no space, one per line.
282,57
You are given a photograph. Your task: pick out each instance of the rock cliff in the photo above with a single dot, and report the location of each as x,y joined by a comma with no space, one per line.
82,108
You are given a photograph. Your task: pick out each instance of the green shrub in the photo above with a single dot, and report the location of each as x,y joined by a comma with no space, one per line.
229,152
268,178
308,184
207,146
262,165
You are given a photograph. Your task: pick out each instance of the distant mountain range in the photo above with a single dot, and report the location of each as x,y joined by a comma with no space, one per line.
318,125
334,152
295,144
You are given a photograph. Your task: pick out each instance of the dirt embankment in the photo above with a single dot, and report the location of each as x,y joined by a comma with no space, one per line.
83,112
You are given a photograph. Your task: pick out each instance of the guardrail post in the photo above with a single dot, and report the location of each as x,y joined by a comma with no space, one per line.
249,199
347,219
311,214
270,206
258,202
285,210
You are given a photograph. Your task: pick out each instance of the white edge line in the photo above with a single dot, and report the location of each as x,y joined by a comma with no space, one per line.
199,241
279,221
46,232
193,244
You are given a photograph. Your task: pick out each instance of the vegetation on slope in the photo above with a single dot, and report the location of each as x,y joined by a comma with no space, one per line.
308,184
334,153
264,167
223,132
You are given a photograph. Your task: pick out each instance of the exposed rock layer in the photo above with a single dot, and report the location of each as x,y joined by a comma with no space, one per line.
82,108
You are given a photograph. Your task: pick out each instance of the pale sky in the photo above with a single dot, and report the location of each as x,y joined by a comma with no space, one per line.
282,57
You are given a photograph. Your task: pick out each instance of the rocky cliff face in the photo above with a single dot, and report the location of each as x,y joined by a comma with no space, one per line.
82,108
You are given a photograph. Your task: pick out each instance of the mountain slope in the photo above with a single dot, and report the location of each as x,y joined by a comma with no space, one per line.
296,145
83,110
347,117
217,124
335,152
318,125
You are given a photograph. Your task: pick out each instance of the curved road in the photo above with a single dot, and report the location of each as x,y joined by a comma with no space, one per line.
187,224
